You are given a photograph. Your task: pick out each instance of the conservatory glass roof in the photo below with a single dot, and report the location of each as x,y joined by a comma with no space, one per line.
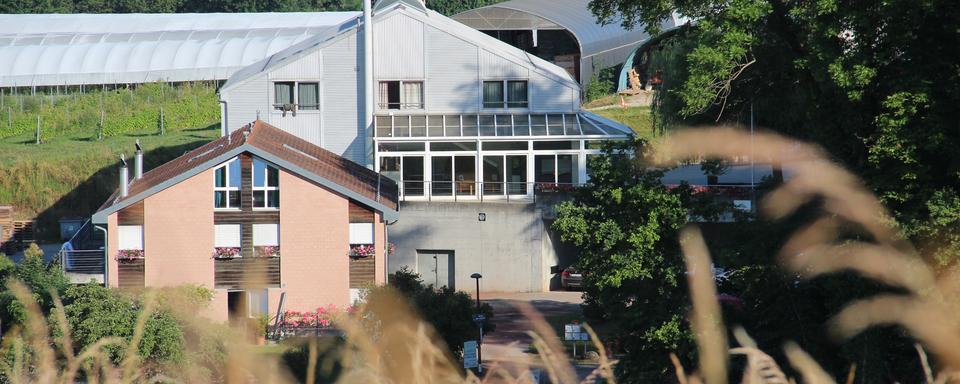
582,124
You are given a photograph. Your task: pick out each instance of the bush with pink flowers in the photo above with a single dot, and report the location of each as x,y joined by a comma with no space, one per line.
322,317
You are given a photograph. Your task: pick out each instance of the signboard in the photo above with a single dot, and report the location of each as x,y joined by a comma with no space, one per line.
470,354
584,336
571,332
479,318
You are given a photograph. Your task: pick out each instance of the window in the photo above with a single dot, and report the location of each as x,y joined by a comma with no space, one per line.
266,185
306,97
505,94
130,237
266,240
401,95
226,187
361,233
283,94
226,236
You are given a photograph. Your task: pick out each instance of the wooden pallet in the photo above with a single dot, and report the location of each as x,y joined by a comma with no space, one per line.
6,228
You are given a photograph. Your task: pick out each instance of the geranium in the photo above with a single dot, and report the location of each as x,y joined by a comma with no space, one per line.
391,248
129,254
362,250
322,317
226,252
266,251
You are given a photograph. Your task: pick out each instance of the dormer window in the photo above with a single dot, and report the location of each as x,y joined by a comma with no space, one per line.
266,185
226,187
505,94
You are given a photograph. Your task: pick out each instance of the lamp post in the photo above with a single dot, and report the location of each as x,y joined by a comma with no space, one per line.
478,318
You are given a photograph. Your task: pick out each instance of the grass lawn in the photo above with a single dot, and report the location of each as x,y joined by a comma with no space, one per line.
73,174
637,118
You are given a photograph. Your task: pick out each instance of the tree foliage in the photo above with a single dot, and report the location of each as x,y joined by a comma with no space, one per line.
450,312
875,83
41,277
624,227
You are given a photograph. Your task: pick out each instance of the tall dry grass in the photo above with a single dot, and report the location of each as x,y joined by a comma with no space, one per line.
927,308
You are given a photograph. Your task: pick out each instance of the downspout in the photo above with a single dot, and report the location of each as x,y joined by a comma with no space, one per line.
368,82
106,256
223,117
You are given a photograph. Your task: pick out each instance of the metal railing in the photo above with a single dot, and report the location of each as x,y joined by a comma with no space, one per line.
83,261
481,191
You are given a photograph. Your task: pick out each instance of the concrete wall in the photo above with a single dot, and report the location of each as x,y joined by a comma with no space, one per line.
508,249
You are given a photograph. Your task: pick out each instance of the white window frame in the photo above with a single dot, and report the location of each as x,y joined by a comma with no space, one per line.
123,231
227,188
384,105
266,189
505,104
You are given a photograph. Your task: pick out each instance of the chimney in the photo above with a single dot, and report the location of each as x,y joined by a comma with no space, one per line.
138,162
124,177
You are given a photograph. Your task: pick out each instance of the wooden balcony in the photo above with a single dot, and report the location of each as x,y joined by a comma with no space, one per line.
130,274
247,272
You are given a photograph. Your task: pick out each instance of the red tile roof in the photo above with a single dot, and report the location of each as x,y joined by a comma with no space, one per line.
284,146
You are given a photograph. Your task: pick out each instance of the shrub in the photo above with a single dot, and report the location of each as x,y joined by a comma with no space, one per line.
41,277
450,312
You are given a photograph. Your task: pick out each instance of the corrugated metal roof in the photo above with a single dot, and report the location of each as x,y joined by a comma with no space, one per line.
58,49
572,15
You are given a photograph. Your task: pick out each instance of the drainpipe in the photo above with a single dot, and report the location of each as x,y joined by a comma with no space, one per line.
106,256
368,81
124,177
223,117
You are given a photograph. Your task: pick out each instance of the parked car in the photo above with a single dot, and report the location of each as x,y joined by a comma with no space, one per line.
571,278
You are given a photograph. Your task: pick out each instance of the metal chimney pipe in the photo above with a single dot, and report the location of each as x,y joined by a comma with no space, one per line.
124,177
368,80
138,162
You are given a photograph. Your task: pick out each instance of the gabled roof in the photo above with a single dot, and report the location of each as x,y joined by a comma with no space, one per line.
285,150
411,8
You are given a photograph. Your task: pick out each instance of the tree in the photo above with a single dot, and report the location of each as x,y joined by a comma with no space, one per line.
42,279
624,226
875,83
450,312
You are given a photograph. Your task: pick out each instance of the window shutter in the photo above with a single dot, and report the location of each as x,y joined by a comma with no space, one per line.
227,235
130,237
266,234
361,233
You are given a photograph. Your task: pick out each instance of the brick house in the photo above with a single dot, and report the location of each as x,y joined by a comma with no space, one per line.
251,215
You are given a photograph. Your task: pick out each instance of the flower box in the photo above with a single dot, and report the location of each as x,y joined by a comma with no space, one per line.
129,255
363,250
226,253
266,251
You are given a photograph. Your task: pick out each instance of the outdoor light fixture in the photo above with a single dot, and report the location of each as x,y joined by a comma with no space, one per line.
482,217
479,318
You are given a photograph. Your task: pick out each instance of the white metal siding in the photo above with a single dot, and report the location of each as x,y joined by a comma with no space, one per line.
453,83
341,92
398,48
493,66
302,68
245,100
547,95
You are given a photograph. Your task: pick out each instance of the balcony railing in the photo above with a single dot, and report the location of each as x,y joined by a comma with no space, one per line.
83,261
481,191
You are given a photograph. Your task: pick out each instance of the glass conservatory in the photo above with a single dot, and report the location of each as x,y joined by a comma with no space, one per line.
493,156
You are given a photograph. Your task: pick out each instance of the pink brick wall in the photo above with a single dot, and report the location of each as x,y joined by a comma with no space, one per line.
113,245
178,234
380,237
314,225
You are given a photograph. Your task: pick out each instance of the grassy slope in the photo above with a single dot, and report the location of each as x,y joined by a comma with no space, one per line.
72,173
637,118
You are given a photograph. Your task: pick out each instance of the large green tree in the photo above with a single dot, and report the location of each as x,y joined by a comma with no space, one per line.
874,82
624,227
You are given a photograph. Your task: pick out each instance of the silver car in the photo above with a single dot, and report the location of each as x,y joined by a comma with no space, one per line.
571,278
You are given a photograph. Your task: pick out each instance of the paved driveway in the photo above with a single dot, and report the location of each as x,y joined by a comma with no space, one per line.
507,346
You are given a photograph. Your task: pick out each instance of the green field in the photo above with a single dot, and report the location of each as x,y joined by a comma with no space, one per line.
73,171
